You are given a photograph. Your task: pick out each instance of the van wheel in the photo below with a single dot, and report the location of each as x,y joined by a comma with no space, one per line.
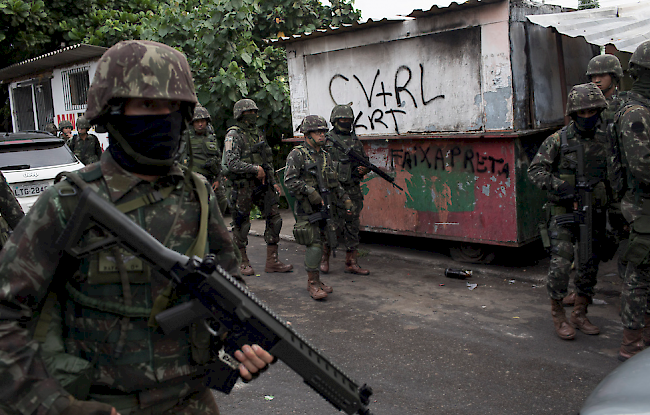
472,253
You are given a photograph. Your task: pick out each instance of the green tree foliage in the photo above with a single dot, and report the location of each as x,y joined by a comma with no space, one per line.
588,4
224,41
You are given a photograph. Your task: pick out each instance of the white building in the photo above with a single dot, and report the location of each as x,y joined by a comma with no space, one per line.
52,87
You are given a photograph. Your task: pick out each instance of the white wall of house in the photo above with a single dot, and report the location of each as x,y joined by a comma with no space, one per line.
69,87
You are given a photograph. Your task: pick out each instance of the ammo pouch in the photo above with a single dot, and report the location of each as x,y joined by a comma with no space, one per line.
638,250
344,169
303,231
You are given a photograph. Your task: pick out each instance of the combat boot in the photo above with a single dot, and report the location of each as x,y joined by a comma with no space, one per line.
325,260
646,331
245,267
273,264
562,327
632,344
314,286
569,300
579,318
351,265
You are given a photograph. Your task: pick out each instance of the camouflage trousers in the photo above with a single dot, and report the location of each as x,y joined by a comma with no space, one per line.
313,249
198,403
562,255
635,296
243,198
351,224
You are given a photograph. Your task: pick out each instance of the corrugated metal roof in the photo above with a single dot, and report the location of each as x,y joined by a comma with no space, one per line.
624,26
332,30
451,8
68,55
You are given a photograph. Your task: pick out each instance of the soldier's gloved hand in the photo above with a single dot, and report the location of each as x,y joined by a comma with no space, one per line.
348,205
314,198
566,191
77,407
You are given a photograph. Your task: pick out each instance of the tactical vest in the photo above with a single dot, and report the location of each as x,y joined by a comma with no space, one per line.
344,165
326,168
253,151
595,154
102,326
203,147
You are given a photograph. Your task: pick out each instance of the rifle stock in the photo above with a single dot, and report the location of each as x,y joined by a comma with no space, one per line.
216,295
348,151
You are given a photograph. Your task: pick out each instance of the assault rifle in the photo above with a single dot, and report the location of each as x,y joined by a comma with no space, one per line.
583,215
238,316
268,169
326,212
361,160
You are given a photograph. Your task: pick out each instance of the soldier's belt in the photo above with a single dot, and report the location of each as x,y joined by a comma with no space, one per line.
318,216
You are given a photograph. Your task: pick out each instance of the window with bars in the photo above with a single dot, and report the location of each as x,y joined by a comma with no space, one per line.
75,88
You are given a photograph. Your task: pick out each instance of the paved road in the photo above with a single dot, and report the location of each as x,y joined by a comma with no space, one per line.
428,344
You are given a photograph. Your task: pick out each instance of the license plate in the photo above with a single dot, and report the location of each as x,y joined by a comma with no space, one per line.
31,189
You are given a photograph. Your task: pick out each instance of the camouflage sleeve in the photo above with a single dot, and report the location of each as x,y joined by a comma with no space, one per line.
28,264
9,207
270,177
634,127
219,239
292,176
540,171
232,155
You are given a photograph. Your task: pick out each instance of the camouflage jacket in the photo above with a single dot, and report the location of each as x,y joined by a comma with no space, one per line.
206,153
31,265
550,164
243,151
347,168
300,182
10,209
88,151
633,133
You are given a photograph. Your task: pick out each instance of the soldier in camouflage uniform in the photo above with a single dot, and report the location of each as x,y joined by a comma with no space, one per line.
606,72
144,95
350,175
65,128
632,129
555,170
10,209
85,146
248,164
206,155
51,128
302,183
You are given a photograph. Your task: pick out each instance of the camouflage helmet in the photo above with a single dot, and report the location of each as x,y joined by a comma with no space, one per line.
65,124
201,113
585,97
641,55
82,122
51,128
313,123
139,69
605,64
341,111
243,105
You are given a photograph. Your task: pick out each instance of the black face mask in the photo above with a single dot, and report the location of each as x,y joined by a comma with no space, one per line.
249,120
157,137
344,127
587,124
